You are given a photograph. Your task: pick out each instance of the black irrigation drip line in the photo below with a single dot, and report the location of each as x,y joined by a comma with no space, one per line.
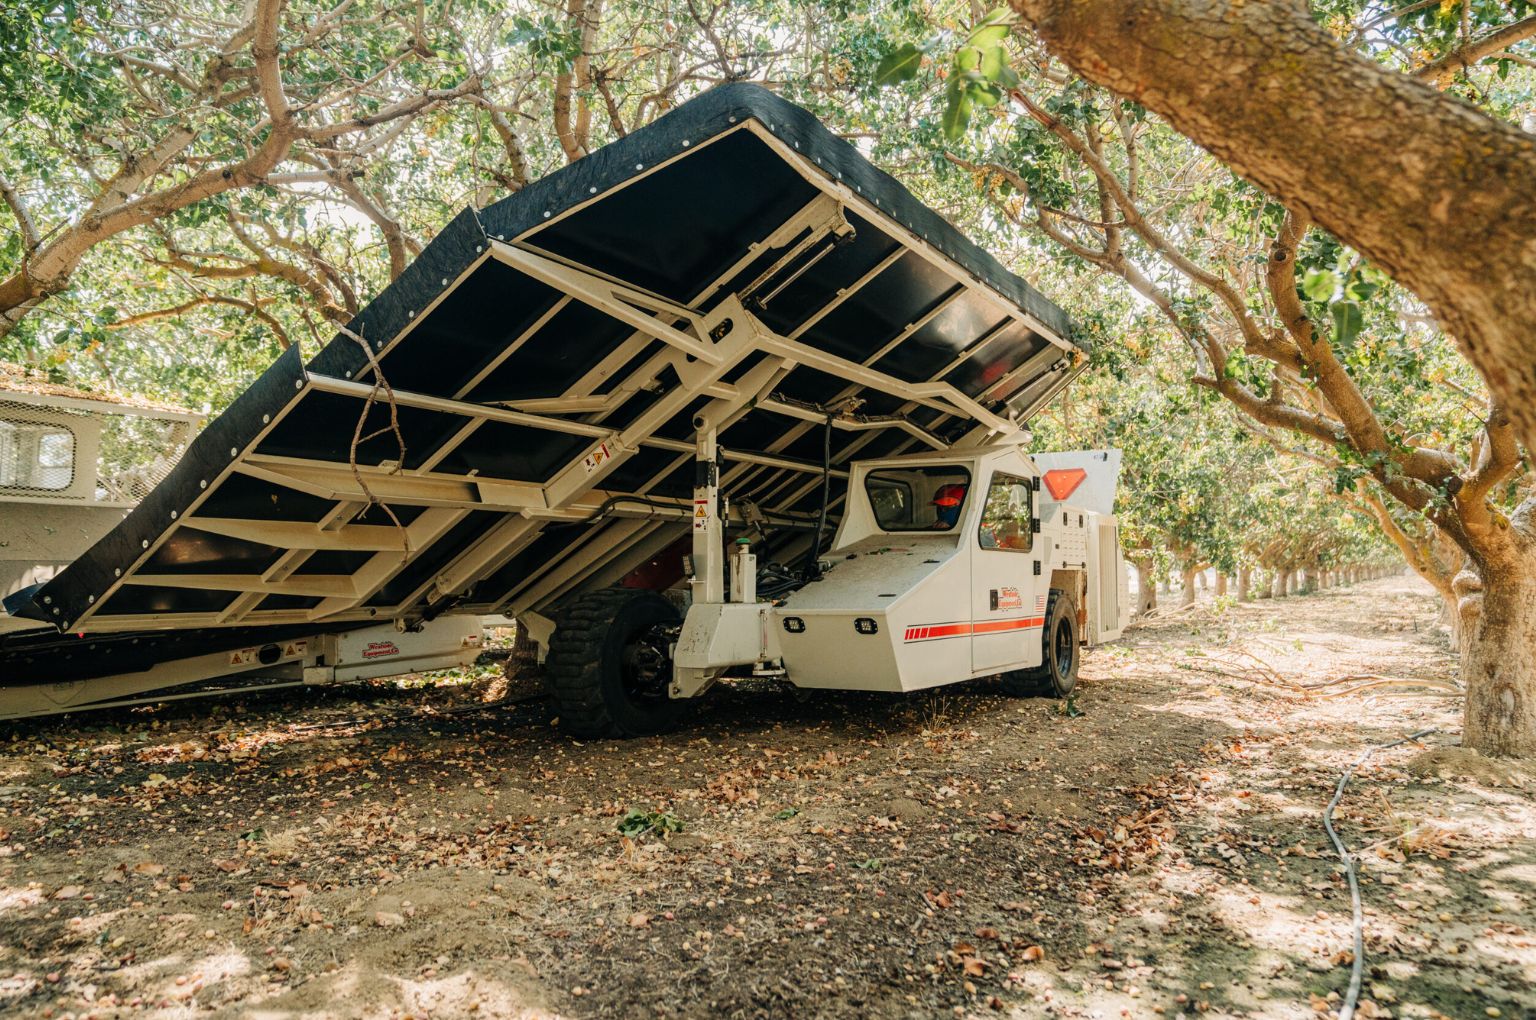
1357,969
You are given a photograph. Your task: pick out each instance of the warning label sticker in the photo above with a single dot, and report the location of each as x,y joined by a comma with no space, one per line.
597,457
700,514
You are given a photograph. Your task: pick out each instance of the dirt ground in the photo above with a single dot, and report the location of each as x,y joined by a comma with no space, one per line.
1155,851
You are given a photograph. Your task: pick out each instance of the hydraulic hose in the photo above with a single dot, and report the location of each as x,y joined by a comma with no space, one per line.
813,555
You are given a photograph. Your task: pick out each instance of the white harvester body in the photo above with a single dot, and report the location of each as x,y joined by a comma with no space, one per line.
914,595
611,393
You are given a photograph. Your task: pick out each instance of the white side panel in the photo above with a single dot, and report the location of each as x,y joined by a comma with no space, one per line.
1096,489
723,634
1068,528
904,586
822,649
372,652
1108,591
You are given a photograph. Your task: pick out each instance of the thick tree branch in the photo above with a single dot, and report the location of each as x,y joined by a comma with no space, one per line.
1442,72
175,311
1498,456
515,178
1366,434
269,72
30,239
1438,194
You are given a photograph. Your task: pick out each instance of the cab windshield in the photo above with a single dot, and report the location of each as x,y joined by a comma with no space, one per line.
918,498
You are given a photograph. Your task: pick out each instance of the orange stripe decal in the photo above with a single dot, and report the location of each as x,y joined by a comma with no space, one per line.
933,631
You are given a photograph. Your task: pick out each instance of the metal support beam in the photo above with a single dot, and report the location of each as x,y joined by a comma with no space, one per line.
708,536
300,535
628,304
324,585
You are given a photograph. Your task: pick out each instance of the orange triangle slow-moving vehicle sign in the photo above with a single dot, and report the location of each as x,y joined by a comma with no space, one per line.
1064,481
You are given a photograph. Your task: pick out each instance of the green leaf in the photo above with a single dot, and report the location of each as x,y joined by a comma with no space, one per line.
985,94
994,61
637,822
1347,322
1319,284
989,35
899,65
957,110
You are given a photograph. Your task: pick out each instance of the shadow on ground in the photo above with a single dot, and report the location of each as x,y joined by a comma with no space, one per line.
361,852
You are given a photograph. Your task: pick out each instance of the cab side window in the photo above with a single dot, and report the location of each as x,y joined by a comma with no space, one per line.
36,456
1005,520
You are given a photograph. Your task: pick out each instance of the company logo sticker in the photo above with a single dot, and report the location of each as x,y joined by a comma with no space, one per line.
1009,598
380,649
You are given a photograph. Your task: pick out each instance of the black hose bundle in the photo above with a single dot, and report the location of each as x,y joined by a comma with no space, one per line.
774,580
812,571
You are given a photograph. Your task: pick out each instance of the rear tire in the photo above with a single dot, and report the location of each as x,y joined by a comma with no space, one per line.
1056,676
609,665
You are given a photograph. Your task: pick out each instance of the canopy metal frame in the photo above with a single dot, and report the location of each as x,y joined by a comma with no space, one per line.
712,356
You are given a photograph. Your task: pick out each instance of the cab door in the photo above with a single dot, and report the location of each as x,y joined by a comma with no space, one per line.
1007,595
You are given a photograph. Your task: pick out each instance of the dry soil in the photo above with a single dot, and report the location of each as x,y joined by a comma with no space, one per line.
374,851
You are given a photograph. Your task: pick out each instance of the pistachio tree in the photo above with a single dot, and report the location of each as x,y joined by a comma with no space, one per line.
1336,109
189,187
1315,344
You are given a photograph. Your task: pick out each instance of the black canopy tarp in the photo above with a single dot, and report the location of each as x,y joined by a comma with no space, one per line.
548,335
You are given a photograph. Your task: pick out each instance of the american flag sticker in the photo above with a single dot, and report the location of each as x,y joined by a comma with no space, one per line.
1040,606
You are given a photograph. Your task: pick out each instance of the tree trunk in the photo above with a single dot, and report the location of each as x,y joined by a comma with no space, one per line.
1188,598
1146,588
1498,649
1498,665
1221,584
1283,583
1309,580
1244,579
1450,616
1441,196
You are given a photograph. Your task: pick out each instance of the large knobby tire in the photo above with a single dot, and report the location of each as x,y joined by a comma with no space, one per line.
1056,675
608,667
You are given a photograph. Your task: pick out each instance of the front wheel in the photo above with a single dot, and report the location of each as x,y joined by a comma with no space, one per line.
609,665
1056,675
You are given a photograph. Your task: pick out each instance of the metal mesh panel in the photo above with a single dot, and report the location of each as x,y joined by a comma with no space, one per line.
137,453
85,456
37,452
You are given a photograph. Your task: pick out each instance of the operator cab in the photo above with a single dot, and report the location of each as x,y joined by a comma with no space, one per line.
942,569
917,498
